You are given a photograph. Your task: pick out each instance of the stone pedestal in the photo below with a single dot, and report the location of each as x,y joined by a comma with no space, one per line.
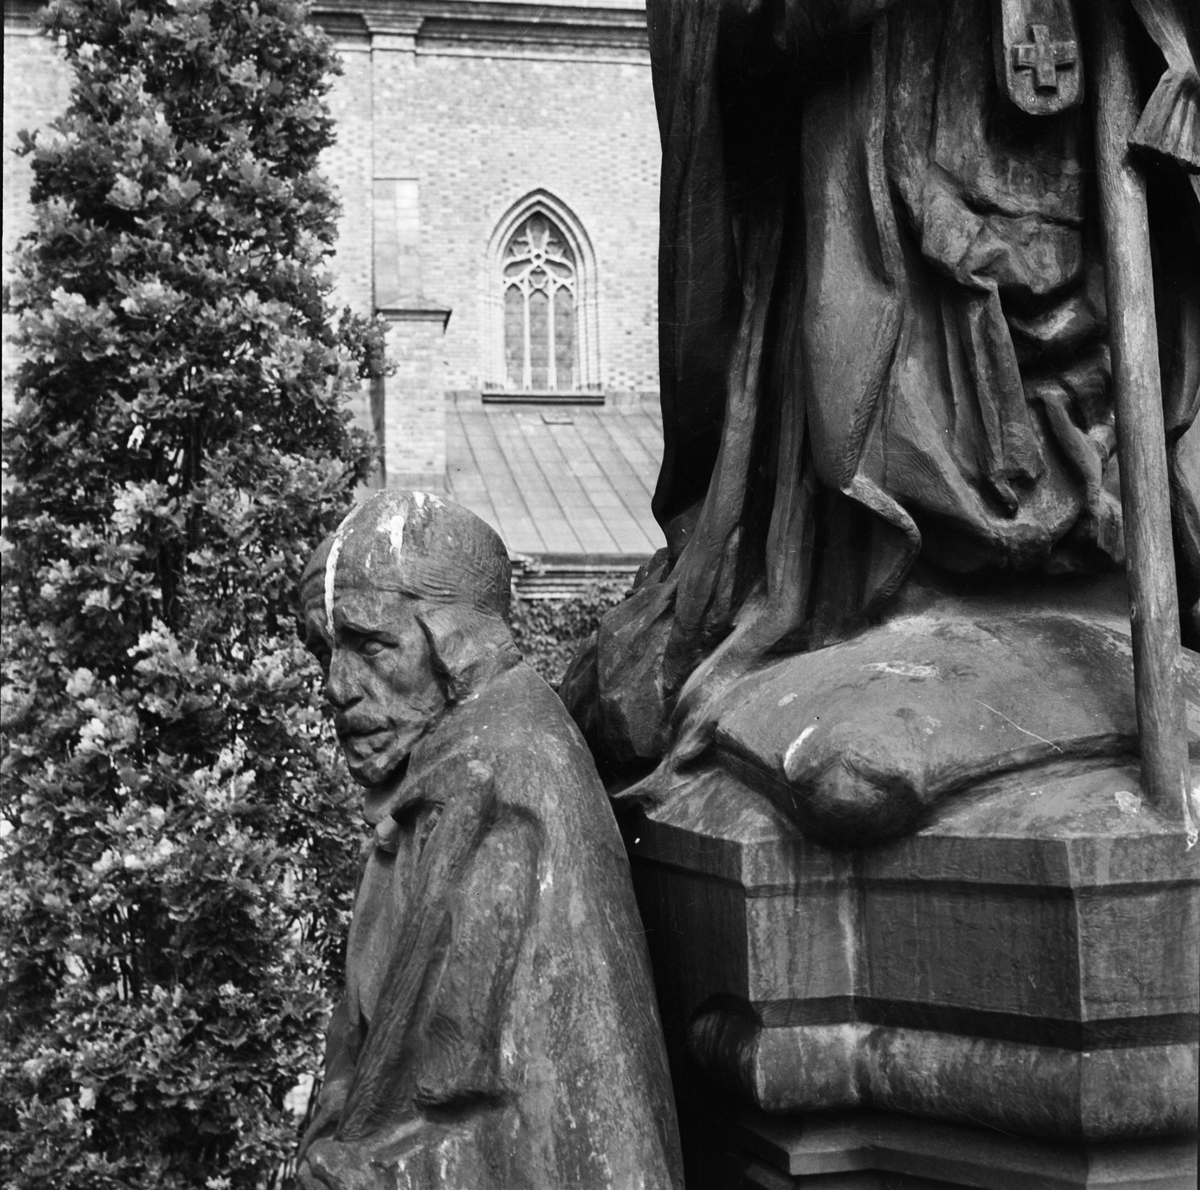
1007,997
878,1151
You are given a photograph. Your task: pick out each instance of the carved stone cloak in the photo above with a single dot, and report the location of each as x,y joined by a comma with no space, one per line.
499,1027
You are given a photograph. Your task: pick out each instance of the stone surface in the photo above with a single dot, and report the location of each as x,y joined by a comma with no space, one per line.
995,929
878,1151
1026,961
857,741
499,1025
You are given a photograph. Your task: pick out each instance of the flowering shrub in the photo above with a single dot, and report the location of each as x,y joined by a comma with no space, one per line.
179,839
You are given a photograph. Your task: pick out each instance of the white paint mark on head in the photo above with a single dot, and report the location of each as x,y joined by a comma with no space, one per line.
1128,802
331,562
787,698
330,571
792,755
394,527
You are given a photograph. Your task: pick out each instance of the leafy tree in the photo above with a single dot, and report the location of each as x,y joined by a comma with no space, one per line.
178,837
550,631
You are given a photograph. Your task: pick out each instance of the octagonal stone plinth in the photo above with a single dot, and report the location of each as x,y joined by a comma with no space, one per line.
1026,964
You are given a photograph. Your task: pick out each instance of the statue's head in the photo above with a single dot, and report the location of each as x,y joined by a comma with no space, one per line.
401,604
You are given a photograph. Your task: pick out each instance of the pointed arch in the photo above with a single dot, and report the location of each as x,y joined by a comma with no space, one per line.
540,261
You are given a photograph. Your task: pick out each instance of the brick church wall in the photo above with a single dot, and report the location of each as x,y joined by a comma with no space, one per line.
480,133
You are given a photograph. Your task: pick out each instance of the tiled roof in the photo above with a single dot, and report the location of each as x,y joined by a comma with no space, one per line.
559,482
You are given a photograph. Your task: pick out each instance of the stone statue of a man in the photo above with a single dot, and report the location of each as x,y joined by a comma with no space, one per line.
499,1026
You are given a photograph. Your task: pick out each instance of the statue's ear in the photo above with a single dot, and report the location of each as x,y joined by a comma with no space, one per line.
465,646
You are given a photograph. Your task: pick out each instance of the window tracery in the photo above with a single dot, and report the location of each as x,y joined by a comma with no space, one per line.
542,323
539,308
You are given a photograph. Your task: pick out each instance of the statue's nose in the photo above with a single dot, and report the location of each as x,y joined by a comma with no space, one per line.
340,688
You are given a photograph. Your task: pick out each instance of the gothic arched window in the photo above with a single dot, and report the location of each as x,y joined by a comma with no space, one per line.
542,329
540,340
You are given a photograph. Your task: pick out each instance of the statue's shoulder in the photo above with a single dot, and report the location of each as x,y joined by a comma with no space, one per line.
519,700
517,726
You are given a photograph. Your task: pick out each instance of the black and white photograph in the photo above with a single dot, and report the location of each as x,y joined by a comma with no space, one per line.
600,595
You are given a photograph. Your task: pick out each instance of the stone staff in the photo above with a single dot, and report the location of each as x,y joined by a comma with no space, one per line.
1154,606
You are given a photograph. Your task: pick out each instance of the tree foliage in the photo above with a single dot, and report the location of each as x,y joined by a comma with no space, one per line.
179,840
550,631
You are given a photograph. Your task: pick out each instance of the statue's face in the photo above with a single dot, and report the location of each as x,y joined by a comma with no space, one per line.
380,682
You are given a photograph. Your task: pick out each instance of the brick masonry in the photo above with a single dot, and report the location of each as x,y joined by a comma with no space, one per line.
478,115
480,134
414,422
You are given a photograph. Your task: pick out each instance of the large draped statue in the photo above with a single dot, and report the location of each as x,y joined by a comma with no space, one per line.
897,804
885,346
883,310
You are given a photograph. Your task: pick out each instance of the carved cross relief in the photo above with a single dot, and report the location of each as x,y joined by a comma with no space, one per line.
1044,57
1036,46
